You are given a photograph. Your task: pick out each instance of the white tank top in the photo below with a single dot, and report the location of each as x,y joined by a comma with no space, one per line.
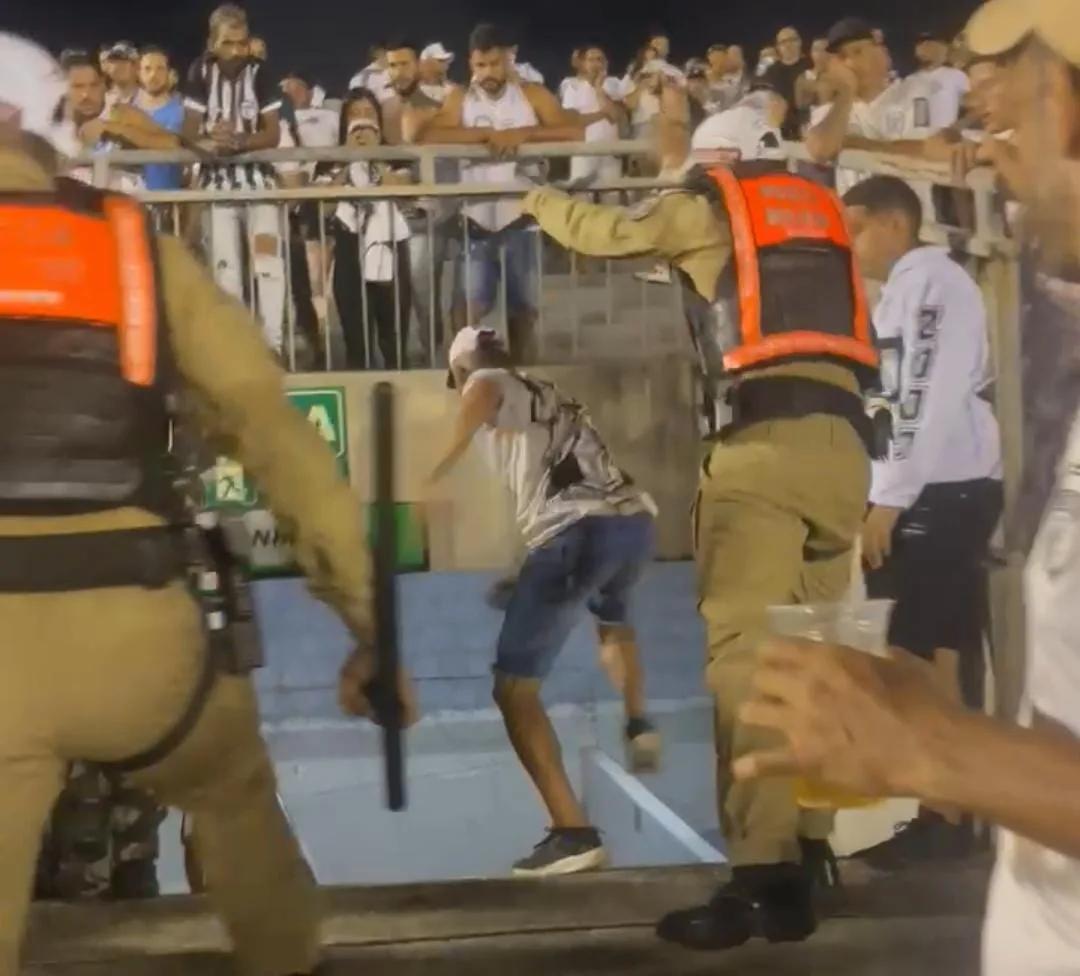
511,110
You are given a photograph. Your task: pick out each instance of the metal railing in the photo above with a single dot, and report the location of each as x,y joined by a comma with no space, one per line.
602,308
331,297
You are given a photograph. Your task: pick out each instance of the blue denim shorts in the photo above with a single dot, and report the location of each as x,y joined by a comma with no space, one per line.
510,257
594,563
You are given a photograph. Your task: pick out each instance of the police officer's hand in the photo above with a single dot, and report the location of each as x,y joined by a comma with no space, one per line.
354,688
850,720
877,533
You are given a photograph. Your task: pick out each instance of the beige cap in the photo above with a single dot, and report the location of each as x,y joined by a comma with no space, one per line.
1000,25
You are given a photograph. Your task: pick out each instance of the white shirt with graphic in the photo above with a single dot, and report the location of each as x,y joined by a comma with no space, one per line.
935,362
546,450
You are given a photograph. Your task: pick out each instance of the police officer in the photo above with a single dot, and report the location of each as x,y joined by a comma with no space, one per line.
779,318
105,656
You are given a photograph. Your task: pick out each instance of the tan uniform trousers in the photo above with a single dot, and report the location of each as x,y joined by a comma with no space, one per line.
102,675
779,507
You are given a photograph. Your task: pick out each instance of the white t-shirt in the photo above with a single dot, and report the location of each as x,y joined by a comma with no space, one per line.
318,129
909,109
935,361
648,104
580,96
379,223
547,452
1033,916
950,85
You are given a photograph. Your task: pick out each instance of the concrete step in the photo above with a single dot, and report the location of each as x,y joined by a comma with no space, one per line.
922,922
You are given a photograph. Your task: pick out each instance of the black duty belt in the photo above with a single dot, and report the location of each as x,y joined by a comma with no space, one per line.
792,398
151,558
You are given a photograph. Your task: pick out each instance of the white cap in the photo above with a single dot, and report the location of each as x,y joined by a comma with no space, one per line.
660,66
468,340
436,52
32,85
739,133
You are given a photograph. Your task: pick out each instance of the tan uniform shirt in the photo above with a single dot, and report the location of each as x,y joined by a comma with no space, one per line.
237,388
679,226
675,225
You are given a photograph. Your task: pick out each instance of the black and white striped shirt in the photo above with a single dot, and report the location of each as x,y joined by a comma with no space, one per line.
241,101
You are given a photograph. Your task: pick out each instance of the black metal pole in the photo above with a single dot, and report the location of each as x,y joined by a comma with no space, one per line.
384,697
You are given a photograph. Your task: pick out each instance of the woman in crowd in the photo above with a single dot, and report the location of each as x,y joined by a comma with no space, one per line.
371,280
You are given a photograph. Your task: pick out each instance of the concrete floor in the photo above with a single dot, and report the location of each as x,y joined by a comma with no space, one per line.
924,922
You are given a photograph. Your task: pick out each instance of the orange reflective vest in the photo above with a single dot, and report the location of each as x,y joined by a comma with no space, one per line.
792,290
84,422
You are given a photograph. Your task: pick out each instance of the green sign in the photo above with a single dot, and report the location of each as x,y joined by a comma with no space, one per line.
226,485
325,411
410,537
269,546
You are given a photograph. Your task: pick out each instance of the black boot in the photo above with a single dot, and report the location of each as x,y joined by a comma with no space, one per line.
133,880
928,839
769,901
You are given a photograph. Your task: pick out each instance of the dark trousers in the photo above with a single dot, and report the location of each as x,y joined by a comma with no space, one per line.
307,321
938,574
374,314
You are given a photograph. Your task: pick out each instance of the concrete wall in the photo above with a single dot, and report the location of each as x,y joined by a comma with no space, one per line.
448,638
643,409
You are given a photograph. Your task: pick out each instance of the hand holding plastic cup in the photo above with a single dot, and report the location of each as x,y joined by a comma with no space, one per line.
862,625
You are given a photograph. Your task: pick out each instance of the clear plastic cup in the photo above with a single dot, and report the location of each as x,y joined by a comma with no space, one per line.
863,625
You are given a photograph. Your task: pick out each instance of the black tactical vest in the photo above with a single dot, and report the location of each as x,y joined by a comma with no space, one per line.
84,419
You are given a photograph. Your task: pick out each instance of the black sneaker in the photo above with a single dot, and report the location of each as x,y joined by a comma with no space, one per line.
923,840
642,746
565,850
769,901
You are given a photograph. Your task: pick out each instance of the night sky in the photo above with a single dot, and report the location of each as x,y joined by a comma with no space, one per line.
330,38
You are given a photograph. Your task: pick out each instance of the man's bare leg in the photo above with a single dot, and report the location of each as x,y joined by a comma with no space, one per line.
571,844
621,662
537,747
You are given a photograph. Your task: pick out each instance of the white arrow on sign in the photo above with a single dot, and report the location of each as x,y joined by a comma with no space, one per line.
320,417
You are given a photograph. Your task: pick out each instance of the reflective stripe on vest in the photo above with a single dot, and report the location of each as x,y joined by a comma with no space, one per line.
63,267
774,210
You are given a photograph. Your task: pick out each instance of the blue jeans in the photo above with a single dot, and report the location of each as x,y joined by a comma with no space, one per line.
512,257
595,563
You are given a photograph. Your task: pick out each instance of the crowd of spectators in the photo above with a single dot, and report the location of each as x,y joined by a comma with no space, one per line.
832,92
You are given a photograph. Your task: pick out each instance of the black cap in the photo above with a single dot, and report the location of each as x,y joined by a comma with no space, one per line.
938,36
300,74
770,82
847,30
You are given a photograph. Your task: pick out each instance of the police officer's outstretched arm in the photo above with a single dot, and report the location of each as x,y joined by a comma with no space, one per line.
238,389
682,227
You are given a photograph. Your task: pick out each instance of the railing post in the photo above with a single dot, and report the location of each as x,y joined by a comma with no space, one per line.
999,281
